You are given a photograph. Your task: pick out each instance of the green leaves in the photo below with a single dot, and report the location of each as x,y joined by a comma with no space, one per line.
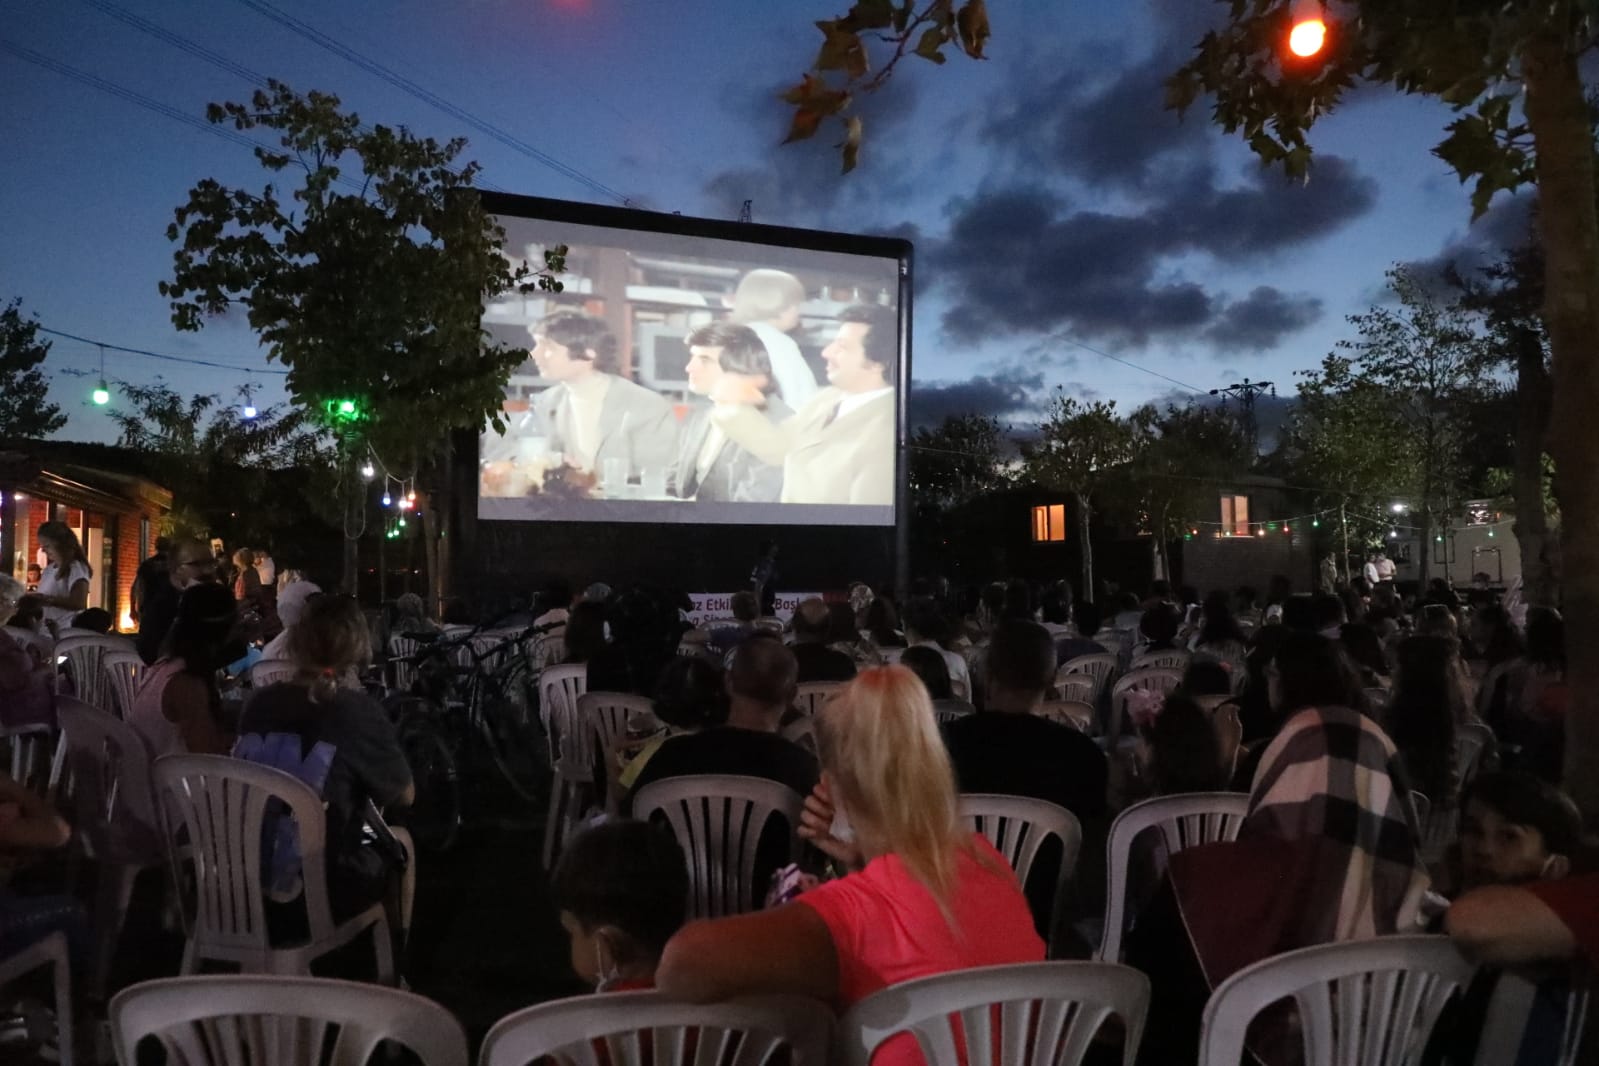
25,410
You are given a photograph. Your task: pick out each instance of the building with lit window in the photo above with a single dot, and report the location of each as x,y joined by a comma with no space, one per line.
114,510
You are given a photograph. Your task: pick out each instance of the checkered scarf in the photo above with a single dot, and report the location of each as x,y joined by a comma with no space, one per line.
1327,852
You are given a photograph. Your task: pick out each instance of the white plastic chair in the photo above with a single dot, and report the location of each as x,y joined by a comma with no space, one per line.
1075,713
403,647
1372,1002
718,820
52,952
222,803
1472,740
570,751
83,657
114,814
632,1028
810,696
1017,826
1076,688
227,1020
1100,667
1158,678
1168,659
1183,821
547,649
271,671
610,716
1505,1022
32,756
1048,1014
122,670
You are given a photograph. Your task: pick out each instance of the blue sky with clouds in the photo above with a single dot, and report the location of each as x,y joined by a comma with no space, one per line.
1058,210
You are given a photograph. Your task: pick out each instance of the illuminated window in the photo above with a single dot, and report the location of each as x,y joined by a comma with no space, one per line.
1049,523
1235,515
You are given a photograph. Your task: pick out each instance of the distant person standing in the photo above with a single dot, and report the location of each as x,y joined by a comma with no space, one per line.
763,577
189,563
1371,572
1387,569
152,573
768,302
1329,572
266,568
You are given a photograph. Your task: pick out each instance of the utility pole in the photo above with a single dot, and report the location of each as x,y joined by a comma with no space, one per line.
1245,392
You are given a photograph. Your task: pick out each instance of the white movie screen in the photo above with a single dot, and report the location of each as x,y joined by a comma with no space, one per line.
689,379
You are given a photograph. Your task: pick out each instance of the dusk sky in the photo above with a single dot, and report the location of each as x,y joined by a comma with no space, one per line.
1053,202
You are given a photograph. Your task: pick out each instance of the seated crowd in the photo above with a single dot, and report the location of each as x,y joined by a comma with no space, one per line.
1400,759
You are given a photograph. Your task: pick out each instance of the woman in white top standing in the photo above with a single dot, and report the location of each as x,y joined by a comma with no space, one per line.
768,302
64,583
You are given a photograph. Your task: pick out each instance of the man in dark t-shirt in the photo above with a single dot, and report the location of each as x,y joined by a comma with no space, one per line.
760,685
1007,749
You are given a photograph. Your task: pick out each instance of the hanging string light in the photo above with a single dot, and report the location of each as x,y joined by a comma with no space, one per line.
102,392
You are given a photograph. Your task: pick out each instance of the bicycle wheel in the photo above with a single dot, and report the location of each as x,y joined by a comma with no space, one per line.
435,816
516,747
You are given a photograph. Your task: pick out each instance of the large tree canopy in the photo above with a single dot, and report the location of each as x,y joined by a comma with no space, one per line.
25,410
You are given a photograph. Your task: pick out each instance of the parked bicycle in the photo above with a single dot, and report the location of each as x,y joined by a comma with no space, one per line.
469,730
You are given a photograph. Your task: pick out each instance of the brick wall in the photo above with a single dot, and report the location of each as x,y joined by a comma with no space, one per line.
128,560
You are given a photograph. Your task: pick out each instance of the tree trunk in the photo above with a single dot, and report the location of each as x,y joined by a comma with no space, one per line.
1538,579
354,503
430,555
1343,524
1558,116
1087,547
1424,549
1163,545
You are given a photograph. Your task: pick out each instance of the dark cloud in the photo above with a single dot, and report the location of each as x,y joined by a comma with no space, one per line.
1021,260
1507,224
1007,394
1262,319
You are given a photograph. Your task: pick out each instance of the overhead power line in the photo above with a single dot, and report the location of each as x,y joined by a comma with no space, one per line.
371,66
106,345
199,51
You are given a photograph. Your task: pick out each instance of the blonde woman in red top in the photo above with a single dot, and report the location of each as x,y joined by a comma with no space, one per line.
923,895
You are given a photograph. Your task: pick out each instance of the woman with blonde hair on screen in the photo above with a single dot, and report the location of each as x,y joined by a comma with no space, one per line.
921,896
768,302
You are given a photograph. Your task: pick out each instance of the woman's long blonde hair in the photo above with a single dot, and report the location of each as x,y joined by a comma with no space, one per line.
879,744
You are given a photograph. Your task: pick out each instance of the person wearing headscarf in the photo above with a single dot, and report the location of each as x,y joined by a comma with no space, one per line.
1329,851
291,606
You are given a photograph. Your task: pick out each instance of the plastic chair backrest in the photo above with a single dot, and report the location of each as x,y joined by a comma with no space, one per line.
1048,1014
222,802
84,656
1017,826
1075,713
810,696
718,820
1505,1021
271,671
559,689
1160,678
237,1020
608,715
29,751
121,669
1367,1002
1169,659
1183,821
1077,688
1100,667
634,1028
403,647
547,649
112,792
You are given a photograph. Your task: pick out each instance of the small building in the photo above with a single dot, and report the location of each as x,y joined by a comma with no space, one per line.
1258,530
114,510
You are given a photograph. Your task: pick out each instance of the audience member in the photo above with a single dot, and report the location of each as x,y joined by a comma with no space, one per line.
1304,671
1329,614
325,730
189,563
882,624
410,616
1527,703
1327,852
645,630
1157,628
930,666
1182,751
266,568
1515,829
151,574
746,608
926,627
1086,617
177,706
621,888
844,636
760,686
585,634
64,584
817,661
1424,715
94,620
1008,748
1360,642
291,606
1219,636
923,895
27,677
691,696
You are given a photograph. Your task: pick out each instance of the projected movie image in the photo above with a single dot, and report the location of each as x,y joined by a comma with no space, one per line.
687,379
